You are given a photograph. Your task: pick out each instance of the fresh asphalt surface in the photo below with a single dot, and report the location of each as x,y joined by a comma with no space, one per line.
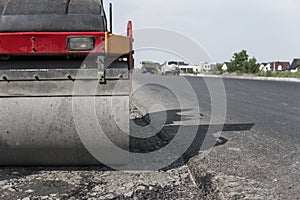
260,143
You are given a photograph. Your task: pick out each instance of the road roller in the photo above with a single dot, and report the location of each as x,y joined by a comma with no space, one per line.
65,80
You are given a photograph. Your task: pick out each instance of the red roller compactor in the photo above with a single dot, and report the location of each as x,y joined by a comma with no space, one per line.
54,53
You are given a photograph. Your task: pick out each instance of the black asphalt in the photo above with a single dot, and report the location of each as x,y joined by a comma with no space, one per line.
259,153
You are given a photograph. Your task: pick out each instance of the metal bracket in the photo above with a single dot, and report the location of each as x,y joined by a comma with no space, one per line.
100,61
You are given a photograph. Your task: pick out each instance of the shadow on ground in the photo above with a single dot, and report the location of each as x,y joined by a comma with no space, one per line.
206,136
137,145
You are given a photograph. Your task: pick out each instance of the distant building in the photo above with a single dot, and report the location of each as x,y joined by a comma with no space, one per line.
274,66
265,67
186,68
295,66
279,66
224,67
208,67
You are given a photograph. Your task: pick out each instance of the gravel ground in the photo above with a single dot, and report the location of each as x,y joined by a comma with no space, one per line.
98,182
95,183
237,171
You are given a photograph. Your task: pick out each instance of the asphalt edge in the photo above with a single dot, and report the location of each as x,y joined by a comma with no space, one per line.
201,176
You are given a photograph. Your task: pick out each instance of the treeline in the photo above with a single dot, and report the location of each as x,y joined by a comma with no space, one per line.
242,63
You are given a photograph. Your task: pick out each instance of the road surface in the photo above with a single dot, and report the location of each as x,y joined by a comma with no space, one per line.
246,147
257,155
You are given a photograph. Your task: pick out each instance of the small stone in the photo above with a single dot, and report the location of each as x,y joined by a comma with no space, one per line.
128,194
29,191
26,198
129,185
122,188
5,187
141,187
109,196
177,183
11,189
185,175
93,194
97,188
233,184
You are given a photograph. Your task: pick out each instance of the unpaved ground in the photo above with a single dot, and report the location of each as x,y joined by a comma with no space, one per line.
95,183
98,182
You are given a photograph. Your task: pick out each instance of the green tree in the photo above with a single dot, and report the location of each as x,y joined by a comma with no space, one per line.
240,62
253,66
219,68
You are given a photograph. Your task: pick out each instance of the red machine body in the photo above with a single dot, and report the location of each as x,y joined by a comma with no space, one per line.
45,42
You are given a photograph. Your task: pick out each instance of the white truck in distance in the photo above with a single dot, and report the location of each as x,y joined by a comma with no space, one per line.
170,68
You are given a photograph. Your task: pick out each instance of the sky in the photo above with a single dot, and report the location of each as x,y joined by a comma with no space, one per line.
268,29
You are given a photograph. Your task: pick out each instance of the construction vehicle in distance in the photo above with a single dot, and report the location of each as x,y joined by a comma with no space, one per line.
150,67
52,52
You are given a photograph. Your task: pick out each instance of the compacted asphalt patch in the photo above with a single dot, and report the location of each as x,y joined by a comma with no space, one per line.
257,153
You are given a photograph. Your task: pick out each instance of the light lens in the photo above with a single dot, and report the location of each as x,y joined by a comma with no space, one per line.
80,43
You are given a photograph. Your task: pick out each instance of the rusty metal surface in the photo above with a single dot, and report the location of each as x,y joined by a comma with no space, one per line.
62,74
49,74
64,88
